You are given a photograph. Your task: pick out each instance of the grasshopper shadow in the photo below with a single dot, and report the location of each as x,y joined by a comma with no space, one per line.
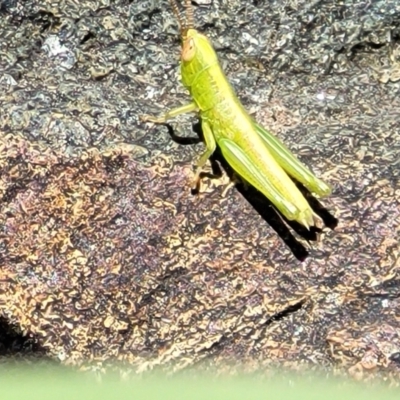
261,204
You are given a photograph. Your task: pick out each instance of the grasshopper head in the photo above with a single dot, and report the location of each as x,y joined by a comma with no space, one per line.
197,54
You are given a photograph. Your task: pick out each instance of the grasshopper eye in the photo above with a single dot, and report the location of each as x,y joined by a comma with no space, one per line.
188,50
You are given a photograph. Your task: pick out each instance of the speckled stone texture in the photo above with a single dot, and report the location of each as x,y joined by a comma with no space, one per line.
105,254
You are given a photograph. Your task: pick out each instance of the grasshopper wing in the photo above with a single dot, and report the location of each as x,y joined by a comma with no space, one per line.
292,164
245,167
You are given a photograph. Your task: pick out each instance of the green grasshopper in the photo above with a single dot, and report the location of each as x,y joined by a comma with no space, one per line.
254,153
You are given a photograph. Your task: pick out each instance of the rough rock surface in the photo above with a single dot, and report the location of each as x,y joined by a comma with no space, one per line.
104,252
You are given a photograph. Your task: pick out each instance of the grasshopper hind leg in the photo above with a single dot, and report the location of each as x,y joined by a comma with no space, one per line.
240,161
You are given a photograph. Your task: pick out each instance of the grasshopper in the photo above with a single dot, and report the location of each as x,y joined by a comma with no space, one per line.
255,154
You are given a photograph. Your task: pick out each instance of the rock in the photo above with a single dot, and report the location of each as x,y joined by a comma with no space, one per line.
105,253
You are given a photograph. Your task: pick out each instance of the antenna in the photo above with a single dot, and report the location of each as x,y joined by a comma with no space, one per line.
189,15
177,13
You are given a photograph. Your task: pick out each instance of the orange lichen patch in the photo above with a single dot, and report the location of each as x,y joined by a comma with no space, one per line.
101,259
366,352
